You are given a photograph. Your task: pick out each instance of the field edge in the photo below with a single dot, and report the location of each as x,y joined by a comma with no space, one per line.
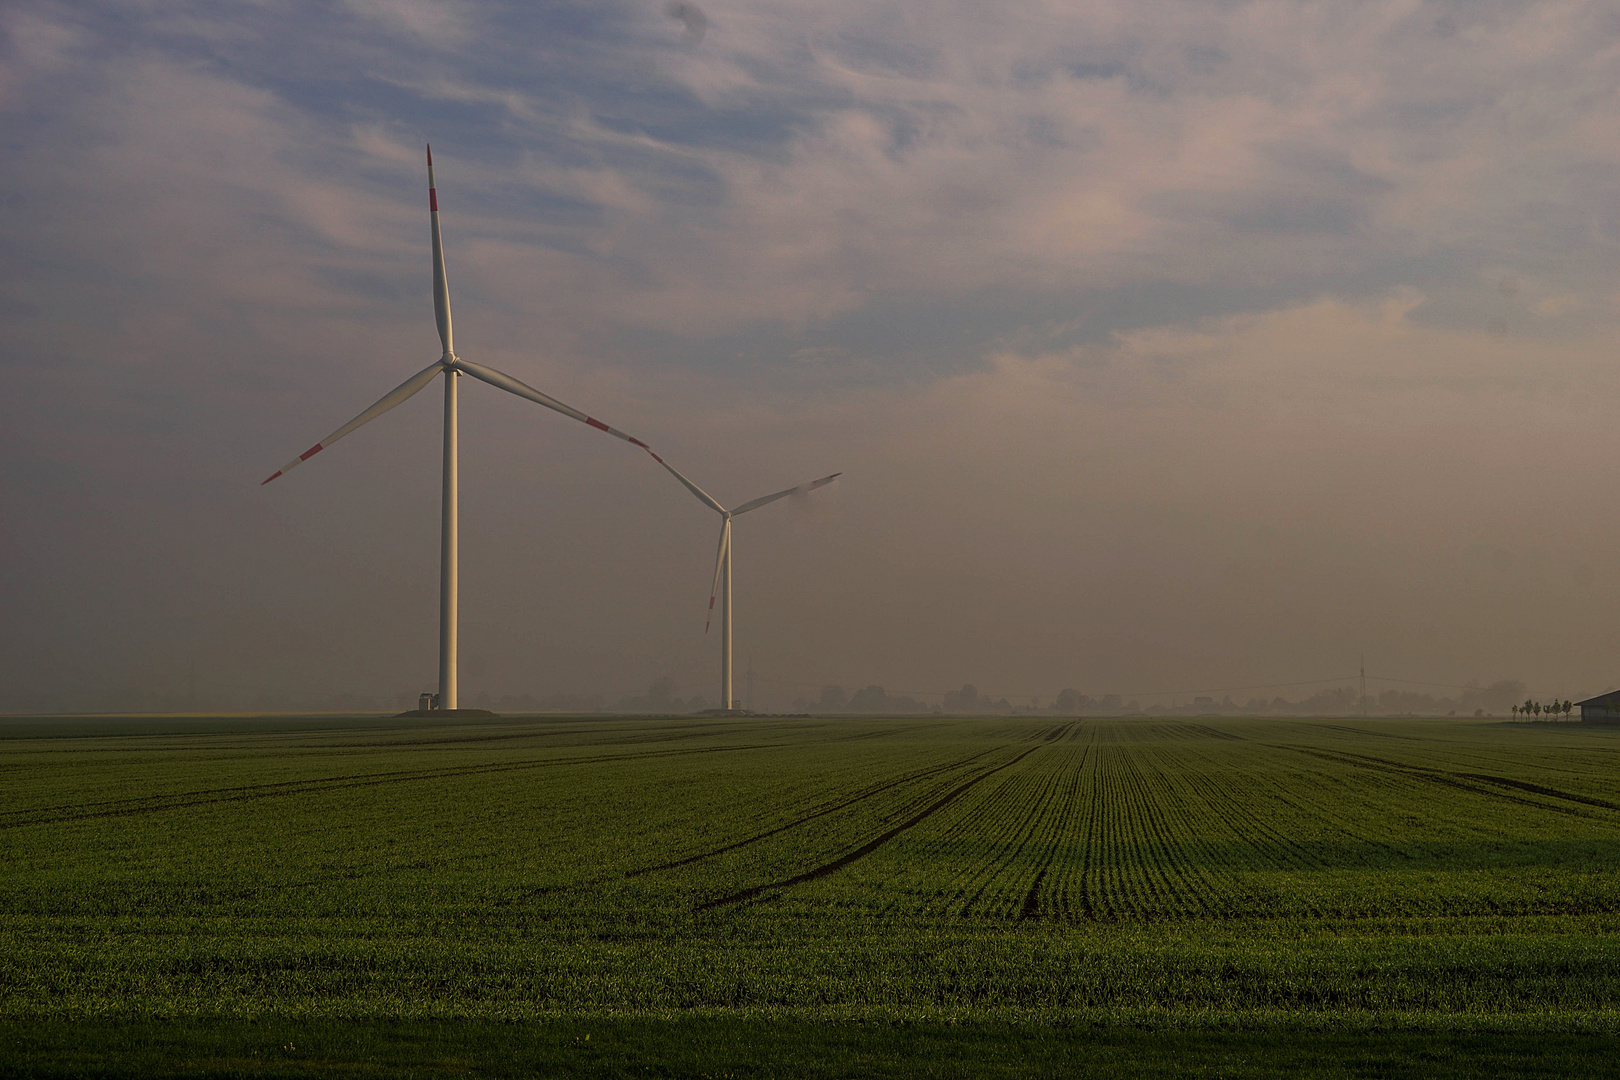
754,1047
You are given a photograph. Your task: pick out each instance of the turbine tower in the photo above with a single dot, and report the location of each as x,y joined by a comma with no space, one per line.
722,560
452,367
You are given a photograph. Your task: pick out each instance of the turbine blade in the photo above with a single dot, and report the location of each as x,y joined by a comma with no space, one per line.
759,502
524,390
441,288
398,394
703,496
719,562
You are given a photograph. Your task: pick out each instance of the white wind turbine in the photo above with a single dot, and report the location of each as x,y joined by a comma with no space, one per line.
722,560
451,366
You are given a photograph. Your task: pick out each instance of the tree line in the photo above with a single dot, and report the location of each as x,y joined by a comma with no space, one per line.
1537,710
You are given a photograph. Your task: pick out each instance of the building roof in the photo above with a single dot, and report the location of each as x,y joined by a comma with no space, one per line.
1601,699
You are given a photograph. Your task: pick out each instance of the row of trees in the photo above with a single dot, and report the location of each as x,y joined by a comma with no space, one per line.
1537,710
870,699
662,697
1494,700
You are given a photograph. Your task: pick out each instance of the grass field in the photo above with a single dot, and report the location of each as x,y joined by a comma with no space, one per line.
778,897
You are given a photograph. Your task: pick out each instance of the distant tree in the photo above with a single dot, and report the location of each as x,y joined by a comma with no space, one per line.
1067,703
660,693
1492,698
1515,711
1568,705
965,700
874,699
833,699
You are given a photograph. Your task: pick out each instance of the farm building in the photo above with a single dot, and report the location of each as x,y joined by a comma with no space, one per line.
1603,709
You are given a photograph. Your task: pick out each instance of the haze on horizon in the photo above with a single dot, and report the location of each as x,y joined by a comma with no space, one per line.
1162,345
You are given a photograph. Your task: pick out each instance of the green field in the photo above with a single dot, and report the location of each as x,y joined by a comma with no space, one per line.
1180,894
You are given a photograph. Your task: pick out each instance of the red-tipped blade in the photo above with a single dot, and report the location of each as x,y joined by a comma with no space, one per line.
398,394
441,288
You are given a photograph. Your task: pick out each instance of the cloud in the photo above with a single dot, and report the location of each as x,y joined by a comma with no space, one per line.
819,161
1060,150
691,17
434,21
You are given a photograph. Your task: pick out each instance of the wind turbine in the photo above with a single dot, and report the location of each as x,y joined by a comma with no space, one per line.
722,560
451,367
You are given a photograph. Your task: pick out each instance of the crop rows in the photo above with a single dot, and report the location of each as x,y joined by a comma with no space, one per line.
886,867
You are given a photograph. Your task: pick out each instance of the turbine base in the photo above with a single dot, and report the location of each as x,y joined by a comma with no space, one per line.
460,714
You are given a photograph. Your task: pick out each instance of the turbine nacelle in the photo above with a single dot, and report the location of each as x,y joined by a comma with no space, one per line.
722,558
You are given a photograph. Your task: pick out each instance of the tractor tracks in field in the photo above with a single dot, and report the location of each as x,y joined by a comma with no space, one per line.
153,804
1031,907
1537,789
1009,832
1477,783
1369,734
1049,831
871,845
666,733
1207,732
870,792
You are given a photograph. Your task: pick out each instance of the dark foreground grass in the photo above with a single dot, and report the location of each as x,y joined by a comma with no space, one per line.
730,1047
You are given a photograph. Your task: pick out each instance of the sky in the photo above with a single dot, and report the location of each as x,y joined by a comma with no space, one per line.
1164,347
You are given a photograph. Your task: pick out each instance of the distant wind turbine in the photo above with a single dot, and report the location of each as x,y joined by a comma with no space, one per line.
722,560
451,366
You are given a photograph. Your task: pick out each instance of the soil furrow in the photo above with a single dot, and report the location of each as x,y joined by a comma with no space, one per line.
1026,830
1032,899
868,847
907,779
310,787
1436,776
